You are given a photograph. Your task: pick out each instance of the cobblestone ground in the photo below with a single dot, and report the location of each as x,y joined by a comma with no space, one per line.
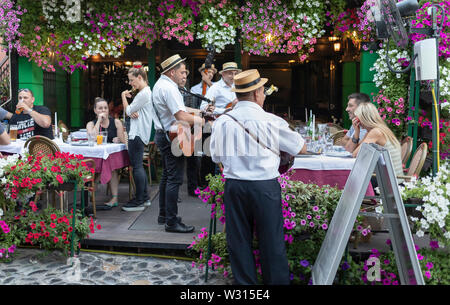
34,267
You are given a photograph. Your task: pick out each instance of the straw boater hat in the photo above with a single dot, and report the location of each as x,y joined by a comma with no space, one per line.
230,66
171,62
203,68
248,81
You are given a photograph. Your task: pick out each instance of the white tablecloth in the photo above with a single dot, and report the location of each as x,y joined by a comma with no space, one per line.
15,147
97,151
322,162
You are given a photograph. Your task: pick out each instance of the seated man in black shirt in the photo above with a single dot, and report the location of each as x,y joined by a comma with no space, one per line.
31,120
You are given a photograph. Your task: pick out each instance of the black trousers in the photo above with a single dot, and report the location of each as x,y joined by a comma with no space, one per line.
171,180
207,166
192,172
248,203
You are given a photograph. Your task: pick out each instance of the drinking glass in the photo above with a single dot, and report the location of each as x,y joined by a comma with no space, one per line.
104,135
13,132
329,144
91,139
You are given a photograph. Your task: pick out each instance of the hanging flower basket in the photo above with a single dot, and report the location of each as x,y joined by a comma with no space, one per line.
218,24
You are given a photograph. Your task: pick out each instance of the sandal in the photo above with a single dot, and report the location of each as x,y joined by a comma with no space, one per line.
112,204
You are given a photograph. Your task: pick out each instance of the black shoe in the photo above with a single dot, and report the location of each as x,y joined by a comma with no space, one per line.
178,200
162,219
180,228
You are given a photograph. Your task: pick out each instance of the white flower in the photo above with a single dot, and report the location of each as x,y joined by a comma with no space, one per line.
379,209
420,233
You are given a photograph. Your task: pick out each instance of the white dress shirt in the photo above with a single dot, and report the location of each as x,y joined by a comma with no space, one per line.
198,89
241,156
142,126
168,100
222,95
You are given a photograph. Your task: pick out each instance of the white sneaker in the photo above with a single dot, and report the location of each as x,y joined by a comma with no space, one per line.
148,203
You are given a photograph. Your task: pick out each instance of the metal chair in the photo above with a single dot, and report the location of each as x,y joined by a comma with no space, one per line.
407,145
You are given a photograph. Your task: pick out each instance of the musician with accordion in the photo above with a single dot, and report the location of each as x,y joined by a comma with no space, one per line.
248,142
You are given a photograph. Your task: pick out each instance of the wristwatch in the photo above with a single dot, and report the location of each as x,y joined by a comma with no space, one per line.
29,111
356,141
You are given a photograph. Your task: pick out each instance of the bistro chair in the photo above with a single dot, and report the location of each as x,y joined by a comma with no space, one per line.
150,155
338,136
41,145
128,171
407,145
89,185
333,128
417,162
65,134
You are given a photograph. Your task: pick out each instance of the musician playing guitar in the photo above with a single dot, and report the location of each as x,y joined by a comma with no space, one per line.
170,109
220,92
247,141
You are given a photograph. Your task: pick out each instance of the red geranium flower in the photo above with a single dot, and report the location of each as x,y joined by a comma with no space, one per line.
60,179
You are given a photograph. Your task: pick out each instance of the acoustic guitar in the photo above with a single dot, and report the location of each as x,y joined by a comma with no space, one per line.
186,136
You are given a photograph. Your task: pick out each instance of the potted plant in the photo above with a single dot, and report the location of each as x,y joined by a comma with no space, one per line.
434,211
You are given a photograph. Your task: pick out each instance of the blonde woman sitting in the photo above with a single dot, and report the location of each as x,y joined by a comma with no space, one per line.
367,117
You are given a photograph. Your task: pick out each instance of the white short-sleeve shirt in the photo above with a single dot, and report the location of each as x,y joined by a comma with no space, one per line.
242,157
167,100
222,95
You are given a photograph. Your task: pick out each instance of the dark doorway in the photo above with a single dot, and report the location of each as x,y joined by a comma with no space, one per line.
315,86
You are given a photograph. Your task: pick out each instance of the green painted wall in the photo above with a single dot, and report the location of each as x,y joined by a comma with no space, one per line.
349,86
61,95
366,76
32,77
76,96
151,68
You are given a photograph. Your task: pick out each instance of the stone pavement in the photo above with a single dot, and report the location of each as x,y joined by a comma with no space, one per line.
34,267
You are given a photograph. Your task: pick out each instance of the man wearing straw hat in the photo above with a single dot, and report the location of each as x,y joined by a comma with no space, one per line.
247,141
206,79
169,108
221,91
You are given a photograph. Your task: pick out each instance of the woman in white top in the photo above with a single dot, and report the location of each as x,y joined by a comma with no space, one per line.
379,133
141,113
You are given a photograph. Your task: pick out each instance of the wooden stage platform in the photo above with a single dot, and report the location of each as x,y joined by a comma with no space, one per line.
141,229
